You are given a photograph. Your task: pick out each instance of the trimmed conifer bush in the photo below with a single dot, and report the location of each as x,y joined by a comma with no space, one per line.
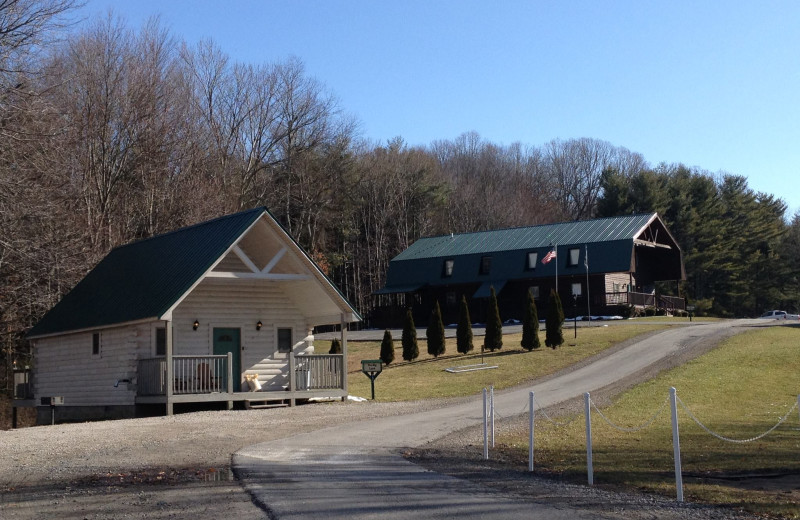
553,322
464,330
387,348
494,327
530,325
435,332
336,347
409,339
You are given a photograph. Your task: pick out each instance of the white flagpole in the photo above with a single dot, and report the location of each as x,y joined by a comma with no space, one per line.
586,263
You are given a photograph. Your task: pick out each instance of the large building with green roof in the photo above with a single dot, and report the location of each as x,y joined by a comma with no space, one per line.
599,266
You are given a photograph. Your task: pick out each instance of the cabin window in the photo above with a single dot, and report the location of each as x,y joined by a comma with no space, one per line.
486,264
96,344
451,299
161,341
576,289
574,256
284,340
535,291
447,270
532,259
615,287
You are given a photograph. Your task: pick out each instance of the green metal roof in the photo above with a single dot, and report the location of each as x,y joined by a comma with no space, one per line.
580,232
608,241
142,280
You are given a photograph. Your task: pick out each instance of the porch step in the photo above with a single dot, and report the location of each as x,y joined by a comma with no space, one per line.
264,404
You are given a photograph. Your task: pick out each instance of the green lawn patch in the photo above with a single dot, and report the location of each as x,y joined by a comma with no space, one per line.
739,390
425,377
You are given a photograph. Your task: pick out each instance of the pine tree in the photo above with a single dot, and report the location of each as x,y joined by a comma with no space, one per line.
336,347
387,348
530,325
555,319
409,339
494,327
435,332
464,330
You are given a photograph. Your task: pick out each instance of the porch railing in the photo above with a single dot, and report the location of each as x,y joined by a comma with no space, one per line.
672,302
23,384
642,300
208,374
191,375
319,371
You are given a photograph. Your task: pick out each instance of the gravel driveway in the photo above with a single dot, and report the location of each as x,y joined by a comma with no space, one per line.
178,466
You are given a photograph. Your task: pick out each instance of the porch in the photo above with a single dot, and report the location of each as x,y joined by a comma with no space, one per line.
210,378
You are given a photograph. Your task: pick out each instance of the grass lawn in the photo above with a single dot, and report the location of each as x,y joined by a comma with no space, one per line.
425,377
739,390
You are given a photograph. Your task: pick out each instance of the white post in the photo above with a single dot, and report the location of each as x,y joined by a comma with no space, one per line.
491,402
230,379
485,429
170,368
676,443
589,468
344,356
530,432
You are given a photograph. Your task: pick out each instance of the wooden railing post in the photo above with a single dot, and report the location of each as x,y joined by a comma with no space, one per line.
230,378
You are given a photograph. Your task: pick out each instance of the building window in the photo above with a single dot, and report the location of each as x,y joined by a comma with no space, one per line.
576,289
96,344
535,291
486,264
532,259
447,270
161,341
284,340
450,299
615,287
574,256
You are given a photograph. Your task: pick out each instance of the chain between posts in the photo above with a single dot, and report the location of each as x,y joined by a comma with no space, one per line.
540,409
642,426
728,439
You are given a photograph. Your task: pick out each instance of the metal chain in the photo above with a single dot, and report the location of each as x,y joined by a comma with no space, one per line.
737,441
635,428
540,409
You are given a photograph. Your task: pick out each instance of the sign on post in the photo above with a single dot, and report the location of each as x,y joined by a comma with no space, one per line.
372,368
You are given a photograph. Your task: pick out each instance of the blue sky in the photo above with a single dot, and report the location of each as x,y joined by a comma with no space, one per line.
710,84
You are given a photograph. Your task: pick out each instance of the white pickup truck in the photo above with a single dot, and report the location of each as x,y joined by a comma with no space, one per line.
779,315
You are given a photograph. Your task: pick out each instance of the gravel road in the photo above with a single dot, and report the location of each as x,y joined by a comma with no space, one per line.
178,467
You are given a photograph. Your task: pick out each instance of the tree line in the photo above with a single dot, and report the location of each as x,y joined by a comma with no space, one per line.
110,134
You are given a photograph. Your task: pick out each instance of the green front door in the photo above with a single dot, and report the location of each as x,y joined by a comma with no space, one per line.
227,340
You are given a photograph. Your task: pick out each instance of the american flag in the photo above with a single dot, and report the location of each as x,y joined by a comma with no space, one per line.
549,256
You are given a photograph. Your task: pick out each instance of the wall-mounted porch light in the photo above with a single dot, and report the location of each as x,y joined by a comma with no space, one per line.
195,325
259,325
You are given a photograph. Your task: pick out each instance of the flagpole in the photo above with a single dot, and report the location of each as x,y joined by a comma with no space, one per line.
556,258
586,263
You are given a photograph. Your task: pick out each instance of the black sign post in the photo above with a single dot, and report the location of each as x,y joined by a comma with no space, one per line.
372,368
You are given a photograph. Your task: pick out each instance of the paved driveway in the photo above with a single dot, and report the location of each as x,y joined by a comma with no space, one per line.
355,470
